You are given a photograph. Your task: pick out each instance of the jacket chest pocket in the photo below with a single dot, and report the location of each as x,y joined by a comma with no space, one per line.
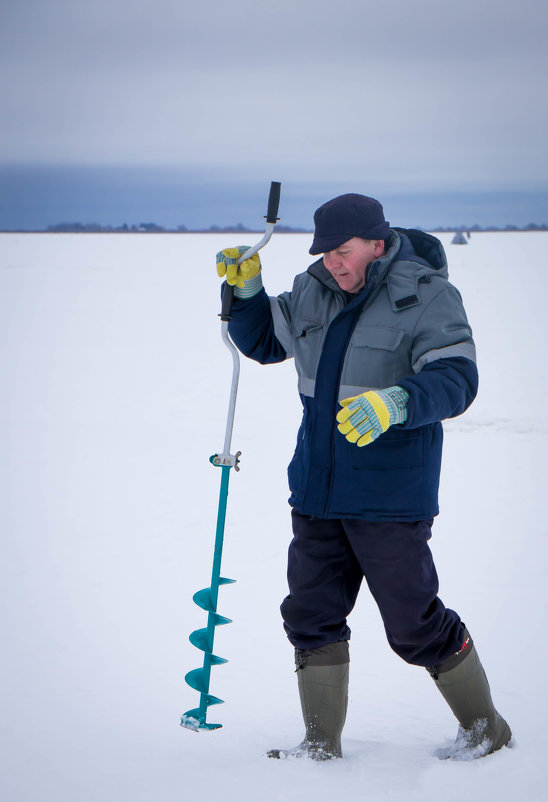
308,338
374,357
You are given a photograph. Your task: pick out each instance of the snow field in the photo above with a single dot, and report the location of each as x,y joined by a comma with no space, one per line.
114,388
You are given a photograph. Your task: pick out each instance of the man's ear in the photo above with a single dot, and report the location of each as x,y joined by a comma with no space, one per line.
379,248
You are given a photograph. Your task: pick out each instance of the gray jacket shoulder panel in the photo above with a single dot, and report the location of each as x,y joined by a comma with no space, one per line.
441,330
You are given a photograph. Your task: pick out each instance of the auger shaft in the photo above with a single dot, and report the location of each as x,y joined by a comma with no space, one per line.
215,577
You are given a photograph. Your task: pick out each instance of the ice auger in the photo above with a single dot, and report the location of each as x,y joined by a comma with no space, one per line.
207,598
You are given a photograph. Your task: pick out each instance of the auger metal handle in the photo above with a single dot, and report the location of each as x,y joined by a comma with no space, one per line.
271,220
226,314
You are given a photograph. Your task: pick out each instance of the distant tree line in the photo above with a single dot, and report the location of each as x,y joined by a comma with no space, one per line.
153,228
529,227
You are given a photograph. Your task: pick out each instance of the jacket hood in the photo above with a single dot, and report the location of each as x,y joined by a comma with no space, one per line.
421,257
418,246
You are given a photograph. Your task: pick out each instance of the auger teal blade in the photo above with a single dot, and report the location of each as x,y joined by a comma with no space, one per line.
217,661
196,719
197,680
203,638
204,600
195,726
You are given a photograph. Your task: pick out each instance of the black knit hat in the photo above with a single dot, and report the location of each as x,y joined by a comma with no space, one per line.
345,217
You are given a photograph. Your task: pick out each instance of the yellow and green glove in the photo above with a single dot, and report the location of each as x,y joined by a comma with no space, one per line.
245,278
364,417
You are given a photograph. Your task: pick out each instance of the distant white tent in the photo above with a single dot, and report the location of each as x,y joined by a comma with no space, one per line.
459,239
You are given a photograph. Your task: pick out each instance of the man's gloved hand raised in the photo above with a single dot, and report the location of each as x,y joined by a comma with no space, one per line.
364,417
245,278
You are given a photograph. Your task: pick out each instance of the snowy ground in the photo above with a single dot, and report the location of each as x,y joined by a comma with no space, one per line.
114,386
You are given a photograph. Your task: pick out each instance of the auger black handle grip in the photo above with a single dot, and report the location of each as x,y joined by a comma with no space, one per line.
273,202
226,304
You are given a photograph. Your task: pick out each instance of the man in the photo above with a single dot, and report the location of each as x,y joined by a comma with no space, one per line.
383,352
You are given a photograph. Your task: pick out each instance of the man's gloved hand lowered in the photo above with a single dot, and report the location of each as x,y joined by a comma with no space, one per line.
364,417
245,278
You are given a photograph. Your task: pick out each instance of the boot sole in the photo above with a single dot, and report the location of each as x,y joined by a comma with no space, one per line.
319,755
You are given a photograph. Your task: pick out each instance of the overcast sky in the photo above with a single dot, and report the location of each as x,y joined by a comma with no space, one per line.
410,94
183,111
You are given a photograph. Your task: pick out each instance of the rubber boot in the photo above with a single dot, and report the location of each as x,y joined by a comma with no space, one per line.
323,691
464,686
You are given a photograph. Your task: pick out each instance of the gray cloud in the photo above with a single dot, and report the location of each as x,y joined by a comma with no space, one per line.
420,94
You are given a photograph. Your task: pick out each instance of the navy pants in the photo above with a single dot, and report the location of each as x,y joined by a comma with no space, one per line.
328,560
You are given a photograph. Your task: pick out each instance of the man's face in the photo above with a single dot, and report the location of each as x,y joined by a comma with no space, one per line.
348,263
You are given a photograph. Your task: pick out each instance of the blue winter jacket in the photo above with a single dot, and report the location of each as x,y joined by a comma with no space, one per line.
406,327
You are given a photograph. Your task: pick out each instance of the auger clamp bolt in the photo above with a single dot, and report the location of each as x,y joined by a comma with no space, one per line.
226,460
